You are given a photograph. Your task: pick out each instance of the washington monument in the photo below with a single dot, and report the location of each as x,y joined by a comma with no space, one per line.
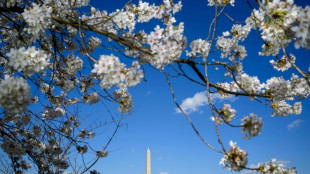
148,161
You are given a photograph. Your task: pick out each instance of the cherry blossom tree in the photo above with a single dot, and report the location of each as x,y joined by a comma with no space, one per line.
48,61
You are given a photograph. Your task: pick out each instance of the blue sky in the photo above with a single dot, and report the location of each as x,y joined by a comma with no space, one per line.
175,148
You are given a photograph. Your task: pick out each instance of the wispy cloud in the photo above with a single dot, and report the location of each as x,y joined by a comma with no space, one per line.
192,104
163,173
133,149
295,124
250,171
159,159
132,166
148,93
284,162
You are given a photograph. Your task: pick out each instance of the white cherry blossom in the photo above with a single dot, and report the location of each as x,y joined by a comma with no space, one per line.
38,18
251,126
14,94
235,159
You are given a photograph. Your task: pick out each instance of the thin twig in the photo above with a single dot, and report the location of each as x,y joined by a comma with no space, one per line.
187,117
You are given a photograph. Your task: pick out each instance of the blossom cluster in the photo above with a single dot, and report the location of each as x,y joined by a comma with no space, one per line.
276,20
228,87
226,114
240,32
229,42
12,147
84,133
86,83
82,149
235,159
230,47
146,12
221,2
170,6
45,88
73,65
166,44
98,19
32,144
248,84
38,18
302,31
24,165
10,3
226,45
14,94
64,8
127,18
15,149
284,109
124,19
102,153
274,167
278,89
251,126
199,46
67,3
51,113
67,126
30,60
64,82
125,100
299,87
94,42
112,72
284,63
91,98
60,162
55,100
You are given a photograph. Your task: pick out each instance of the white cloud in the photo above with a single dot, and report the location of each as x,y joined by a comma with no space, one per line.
295,124
284,162
249,171
159,159
163,173
133,149
192,104
132,166
148,93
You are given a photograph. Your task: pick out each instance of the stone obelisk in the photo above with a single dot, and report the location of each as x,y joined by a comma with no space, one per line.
148,161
